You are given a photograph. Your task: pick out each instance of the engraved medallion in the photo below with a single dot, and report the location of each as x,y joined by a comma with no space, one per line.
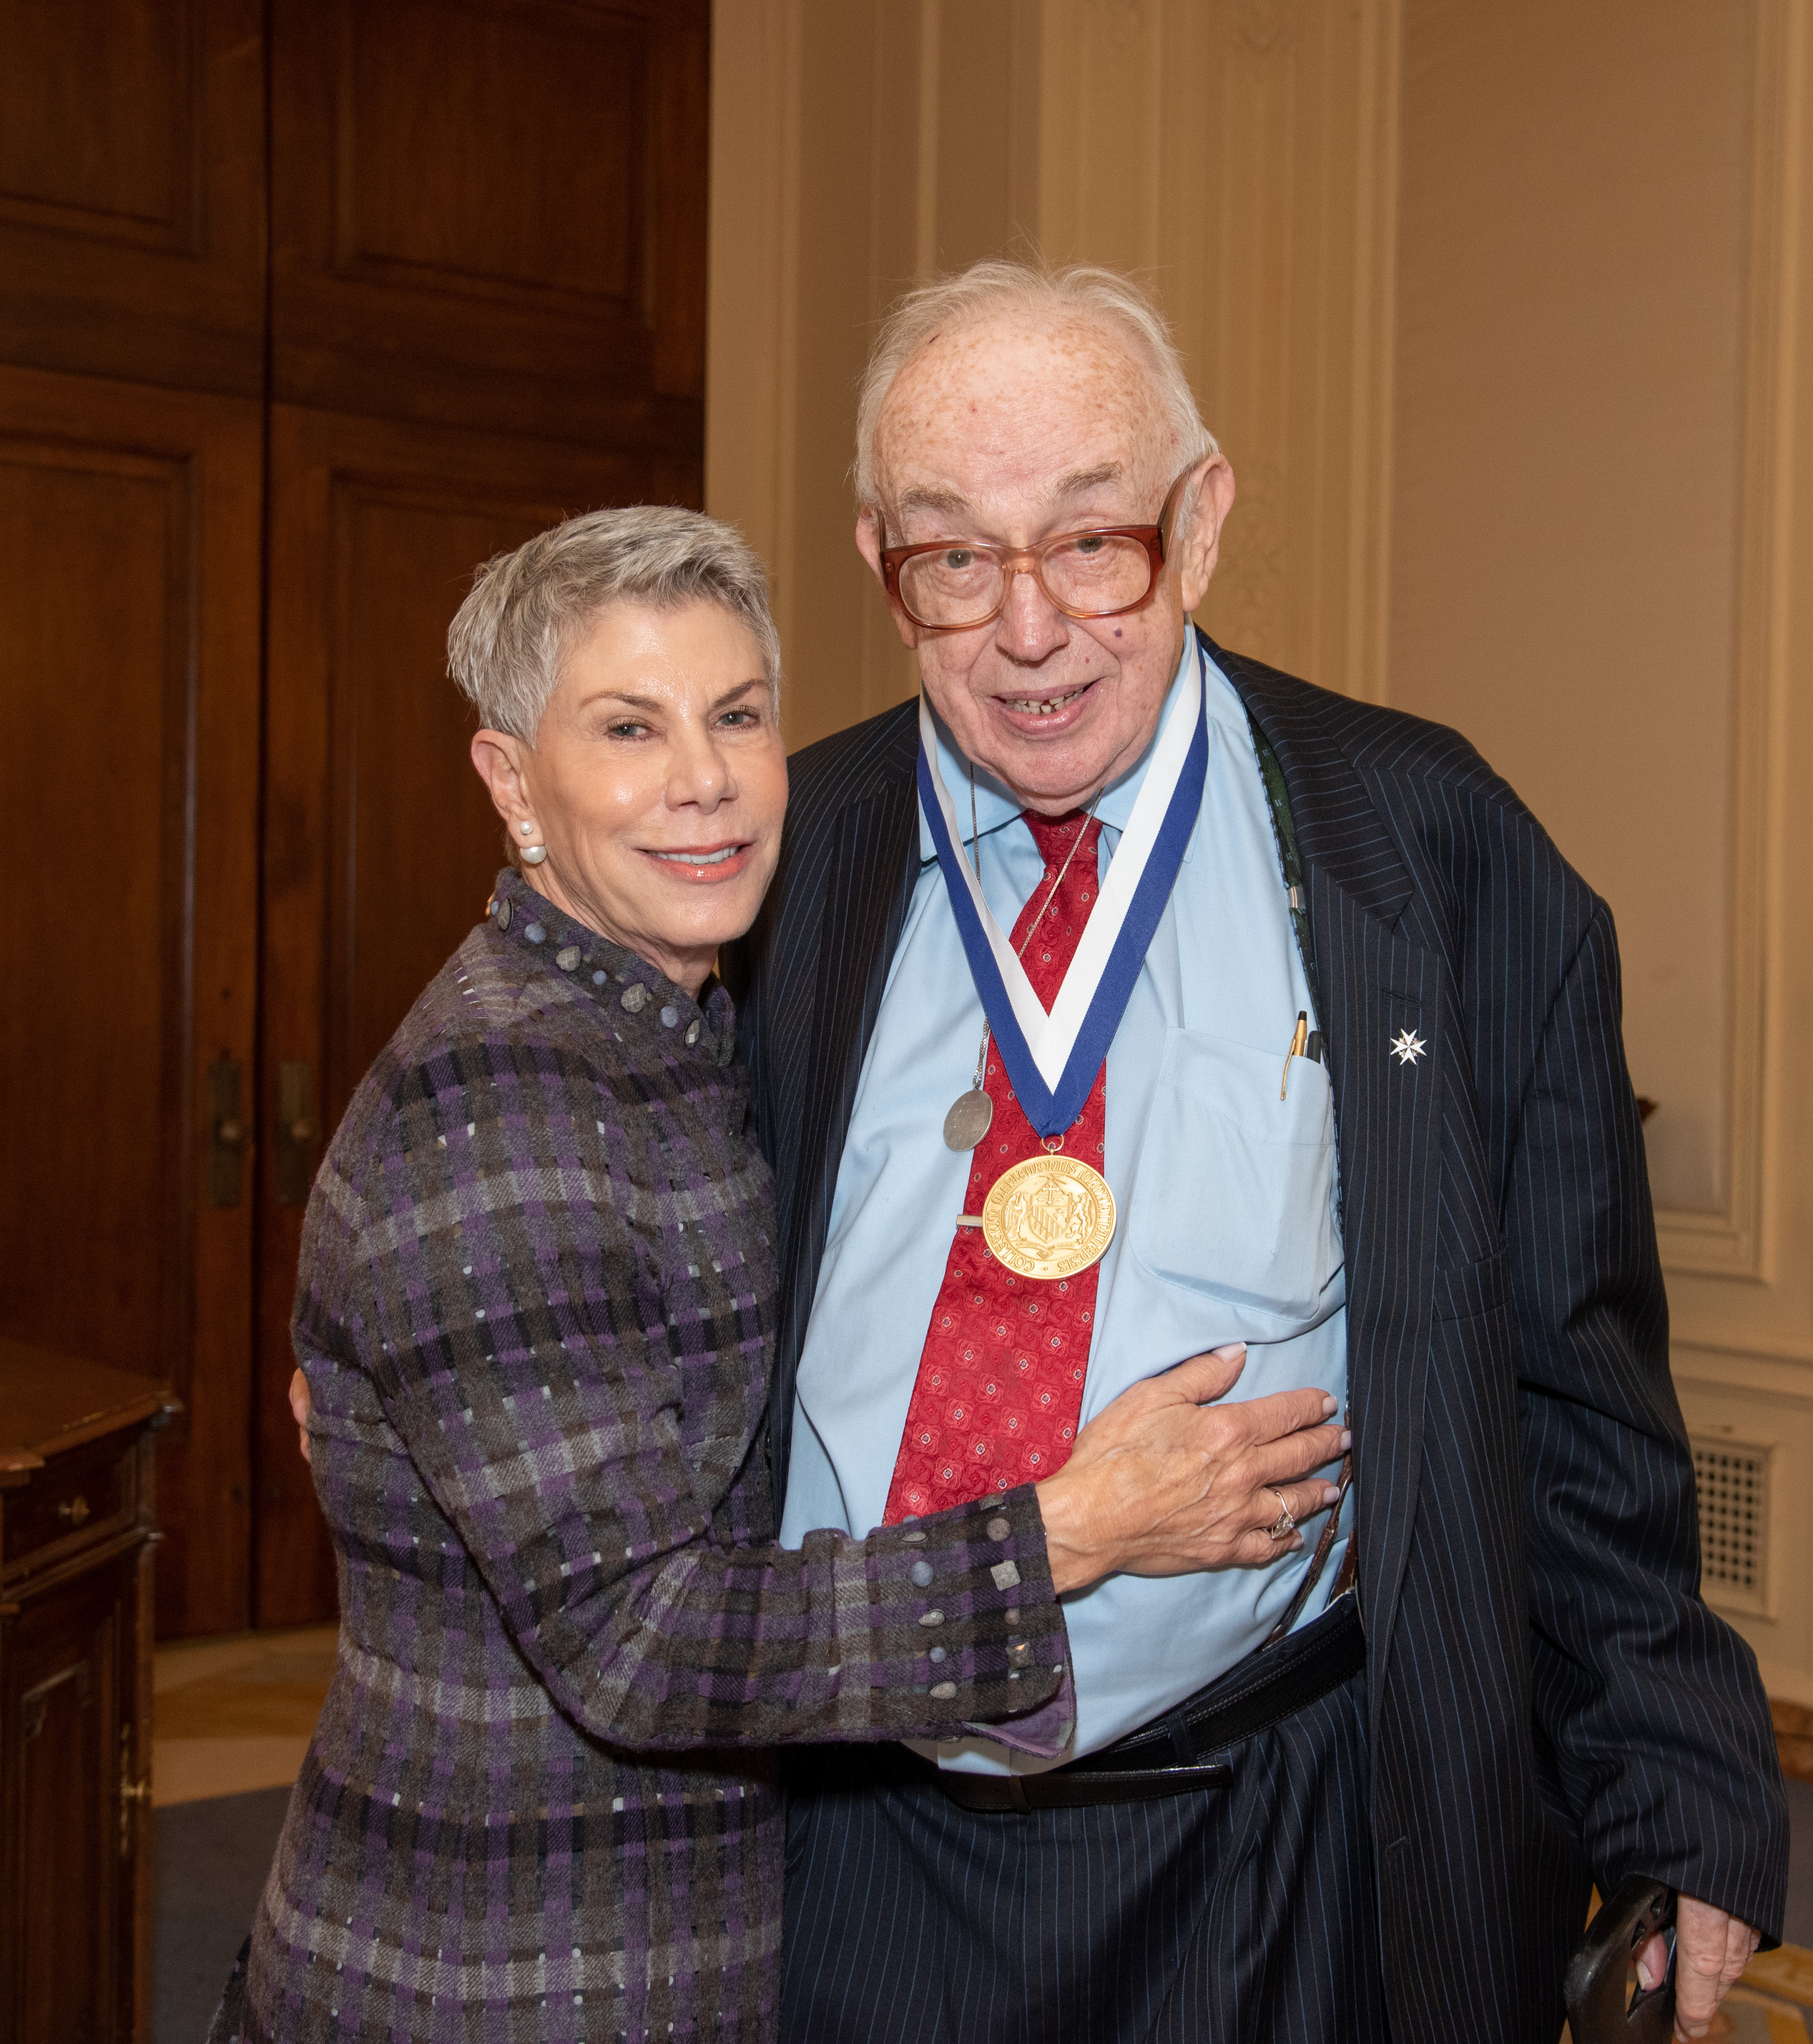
968,1120
1049,1217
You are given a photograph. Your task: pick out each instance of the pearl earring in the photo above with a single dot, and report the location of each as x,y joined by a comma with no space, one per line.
532,854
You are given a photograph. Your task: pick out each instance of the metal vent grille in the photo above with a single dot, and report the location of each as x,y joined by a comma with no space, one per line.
1734,1522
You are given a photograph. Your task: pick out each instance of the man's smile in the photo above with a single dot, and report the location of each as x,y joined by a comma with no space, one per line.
1048,712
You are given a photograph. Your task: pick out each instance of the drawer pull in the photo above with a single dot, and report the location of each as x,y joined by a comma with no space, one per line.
76,1510
134,1796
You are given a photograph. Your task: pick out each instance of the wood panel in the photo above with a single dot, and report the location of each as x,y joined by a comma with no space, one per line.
381,844
493,213
131,199
70,1901
77,1536
128,675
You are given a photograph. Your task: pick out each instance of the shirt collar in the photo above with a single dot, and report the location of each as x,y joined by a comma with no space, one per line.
996,808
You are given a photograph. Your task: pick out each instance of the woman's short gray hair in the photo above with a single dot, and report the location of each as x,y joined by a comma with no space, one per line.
508,639
1000,285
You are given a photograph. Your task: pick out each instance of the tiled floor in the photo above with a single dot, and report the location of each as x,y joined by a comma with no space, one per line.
236,1714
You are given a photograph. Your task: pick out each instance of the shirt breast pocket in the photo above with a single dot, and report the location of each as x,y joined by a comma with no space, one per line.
1233,1196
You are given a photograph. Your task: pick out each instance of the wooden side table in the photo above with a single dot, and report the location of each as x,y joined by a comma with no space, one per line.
77,1536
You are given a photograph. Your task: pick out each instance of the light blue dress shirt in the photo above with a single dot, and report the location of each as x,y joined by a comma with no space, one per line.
1226,1197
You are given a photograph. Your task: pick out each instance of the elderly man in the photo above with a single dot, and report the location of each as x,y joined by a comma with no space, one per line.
1123,998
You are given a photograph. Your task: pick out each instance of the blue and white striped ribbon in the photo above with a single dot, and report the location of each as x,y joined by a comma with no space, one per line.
1052,1058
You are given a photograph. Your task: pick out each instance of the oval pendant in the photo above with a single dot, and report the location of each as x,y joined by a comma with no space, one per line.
968,1120
1049,1217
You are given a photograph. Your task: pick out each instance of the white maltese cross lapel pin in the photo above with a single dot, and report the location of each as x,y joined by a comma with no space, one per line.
1406,1048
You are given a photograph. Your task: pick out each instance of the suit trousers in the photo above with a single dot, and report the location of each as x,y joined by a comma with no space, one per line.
1242,1914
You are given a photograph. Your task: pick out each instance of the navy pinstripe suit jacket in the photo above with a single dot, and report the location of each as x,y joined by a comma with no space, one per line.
1550,1700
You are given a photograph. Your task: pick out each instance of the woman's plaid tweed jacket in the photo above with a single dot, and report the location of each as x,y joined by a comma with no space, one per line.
535,1311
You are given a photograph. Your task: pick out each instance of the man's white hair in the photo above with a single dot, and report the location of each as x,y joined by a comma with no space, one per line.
1000,286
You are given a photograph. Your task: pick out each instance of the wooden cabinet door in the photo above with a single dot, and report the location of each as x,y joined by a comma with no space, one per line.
67,1901
131,189
485,222
130,524
381,844
492,213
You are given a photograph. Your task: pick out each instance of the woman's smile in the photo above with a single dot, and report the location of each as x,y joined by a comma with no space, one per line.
705,865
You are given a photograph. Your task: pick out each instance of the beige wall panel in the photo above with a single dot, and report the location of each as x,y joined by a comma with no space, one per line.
1602,460
1743,1353
1238,153
1570,331
980,82
815,196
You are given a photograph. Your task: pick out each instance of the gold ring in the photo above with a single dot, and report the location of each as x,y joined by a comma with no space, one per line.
1281,1527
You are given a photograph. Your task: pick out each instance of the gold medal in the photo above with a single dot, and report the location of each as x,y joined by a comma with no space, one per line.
1049,1217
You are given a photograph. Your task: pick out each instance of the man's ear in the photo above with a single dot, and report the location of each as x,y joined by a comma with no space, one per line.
499,760
868,546
1208,497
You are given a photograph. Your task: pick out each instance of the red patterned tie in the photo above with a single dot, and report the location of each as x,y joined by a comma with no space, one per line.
1000,1381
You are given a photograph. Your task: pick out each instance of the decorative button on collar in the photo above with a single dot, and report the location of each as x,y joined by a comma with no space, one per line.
536,934
921,1572
503,915
693,1031
567,957
635,998
669,1017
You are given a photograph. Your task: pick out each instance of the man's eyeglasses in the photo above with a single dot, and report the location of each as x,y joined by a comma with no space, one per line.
954,585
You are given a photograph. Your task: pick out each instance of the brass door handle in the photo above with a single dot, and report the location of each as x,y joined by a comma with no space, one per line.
229,1138
298,1132
133,1795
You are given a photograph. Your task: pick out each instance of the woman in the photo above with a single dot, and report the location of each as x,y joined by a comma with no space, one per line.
535,1296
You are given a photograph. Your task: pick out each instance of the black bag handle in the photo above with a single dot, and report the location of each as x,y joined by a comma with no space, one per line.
1600,1971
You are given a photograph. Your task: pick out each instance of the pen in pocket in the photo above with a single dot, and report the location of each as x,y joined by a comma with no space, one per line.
1299,1043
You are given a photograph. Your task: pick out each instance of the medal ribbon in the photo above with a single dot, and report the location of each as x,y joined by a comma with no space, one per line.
999,1392
1053,1058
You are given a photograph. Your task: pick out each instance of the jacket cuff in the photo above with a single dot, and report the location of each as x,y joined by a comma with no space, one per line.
992,1654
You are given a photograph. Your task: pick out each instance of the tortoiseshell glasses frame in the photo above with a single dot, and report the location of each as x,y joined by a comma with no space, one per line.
1102,572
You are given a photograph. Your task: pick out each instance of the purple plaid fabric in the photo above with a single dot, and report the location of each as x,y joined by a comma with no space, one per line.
536,1308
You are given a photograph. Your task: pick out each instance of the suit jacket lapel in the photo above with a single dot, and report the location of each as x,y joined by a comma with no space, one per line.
868,882
1379,987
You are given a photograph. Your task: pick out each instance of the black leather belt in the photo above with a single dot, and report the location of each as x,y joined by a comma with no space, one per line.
1164,1757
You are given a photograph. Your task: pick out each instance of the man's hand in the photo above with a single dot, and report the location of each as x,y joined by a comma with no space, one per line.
299,1410
1711,1950
1162,1483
